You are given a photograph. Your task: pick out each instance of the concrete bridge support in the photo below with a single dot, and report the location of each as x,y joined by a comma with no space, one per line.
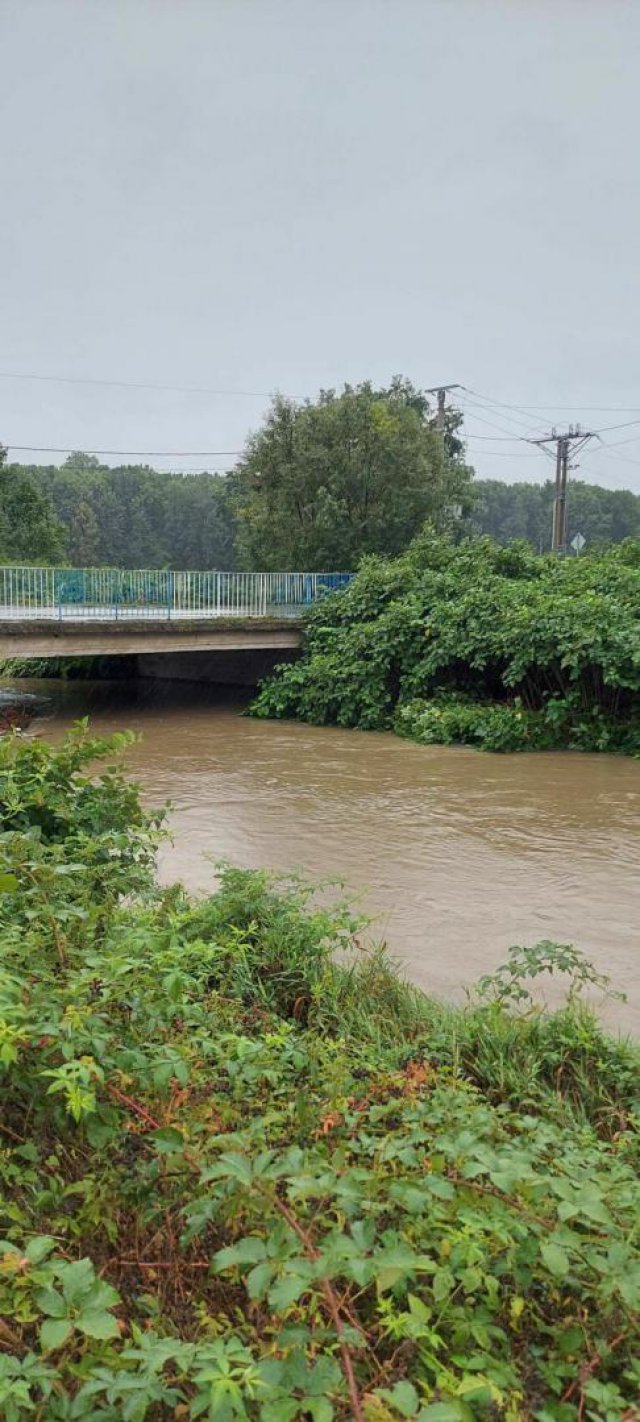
270,637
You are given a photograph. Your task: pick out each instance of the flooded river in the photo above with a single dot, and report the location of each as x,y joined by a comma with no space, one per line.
456,853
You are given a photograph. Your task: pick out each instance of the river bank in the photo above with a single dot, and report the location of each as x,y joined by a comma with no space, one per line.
456,855
301,1188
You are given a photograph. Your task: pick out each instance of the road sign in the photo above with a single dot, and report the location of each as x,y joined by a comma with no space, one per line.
578,543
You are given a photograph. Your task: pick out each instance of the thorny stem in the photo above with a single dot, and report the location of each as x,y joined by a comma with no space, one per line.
149,1120
134,1106
587,1371
55,932
332,1307
13,1135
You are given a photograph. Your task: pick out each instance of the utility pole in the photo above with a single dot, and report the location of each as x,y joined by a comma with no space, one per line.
559,526
441,392
568,443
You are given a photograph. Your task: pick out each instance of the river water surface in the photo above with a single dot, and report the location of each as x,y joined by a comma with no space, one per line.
458,854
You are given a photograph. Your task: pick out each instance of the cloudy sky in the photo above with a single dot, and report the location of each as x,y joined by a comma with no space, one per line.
229,197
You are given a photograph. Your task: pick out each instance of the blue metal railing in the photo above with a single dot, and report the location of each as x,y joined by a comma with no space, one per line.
109,594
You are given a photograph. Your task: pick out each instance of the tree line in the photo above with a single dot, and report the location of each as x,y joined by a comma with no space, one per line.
509,511
89,515
319,485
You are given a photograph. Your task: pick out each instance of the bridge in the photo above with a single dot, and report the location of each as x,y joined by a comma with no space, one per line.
70,612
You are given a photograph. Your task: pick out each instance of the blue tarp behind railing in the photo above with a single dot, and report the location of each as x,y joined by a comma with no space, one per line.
115,592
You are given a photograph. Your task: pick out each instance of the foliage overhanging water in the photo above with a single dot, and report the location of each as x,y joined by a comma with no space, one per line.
459,854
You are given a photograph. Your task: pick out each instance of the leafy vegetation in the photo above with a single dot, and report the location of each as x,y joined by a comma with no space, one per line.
128,517
357,472
65,668
29,529
321,484
510,511
479,645
243,1180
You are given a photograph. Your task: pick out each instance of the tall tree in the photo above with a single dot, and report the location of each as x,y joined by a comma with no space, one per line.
29,529
84,536
357,472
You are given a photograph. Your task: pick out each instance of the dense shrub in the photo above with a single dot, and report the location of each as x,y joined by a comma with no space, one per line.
241,1181
488,646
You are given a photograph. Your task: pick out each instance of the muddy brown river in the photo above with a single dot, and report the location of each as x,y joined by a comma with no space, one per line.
456,854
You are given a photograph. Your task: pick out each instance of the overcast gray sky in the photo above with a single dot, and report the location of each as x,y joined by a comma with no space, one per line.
246,195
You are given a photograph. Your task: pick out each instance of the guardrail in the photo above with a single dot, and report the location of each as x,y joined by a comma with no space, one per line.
110,594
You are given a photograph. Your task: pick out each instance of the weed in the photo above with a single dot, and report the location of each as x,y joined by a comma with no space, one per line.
247,1176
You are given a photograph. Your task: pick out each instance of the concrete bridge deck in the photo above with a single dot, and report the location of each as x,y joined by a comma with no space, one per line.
92,612
133,634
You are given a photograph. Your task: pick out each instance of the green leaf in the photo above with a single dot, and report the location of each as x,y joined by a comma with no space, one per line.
321,1408
51,1302
77,1281
54,1332
250,1250
410,1197
8,883
258,1280
629,1288
232,1165
555,1258
97,1323
402,1396
437,1185
591,1204
167,1140
396,1263
103,1295
321,1379
457,1411
286,1291
37,1249
443,1283
280,1409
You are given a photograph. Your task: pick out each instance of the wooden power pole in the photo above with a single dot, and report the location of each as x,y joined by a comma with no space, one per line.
568,443
440,391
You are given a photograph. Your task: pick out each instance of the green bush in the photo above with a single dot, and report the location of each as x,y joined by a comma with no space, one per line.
243,1178
479,645
493,726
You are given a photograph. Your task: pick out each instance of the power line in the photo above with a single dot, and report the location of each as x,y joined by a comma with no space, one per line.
491,424
507,454
155,453
613,451
525,409
625,426
498,439
633,439
492,409
139,385
267,394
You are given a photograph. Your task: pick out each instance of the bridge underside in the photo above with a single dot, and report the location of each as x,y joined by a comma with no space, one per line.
40,637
